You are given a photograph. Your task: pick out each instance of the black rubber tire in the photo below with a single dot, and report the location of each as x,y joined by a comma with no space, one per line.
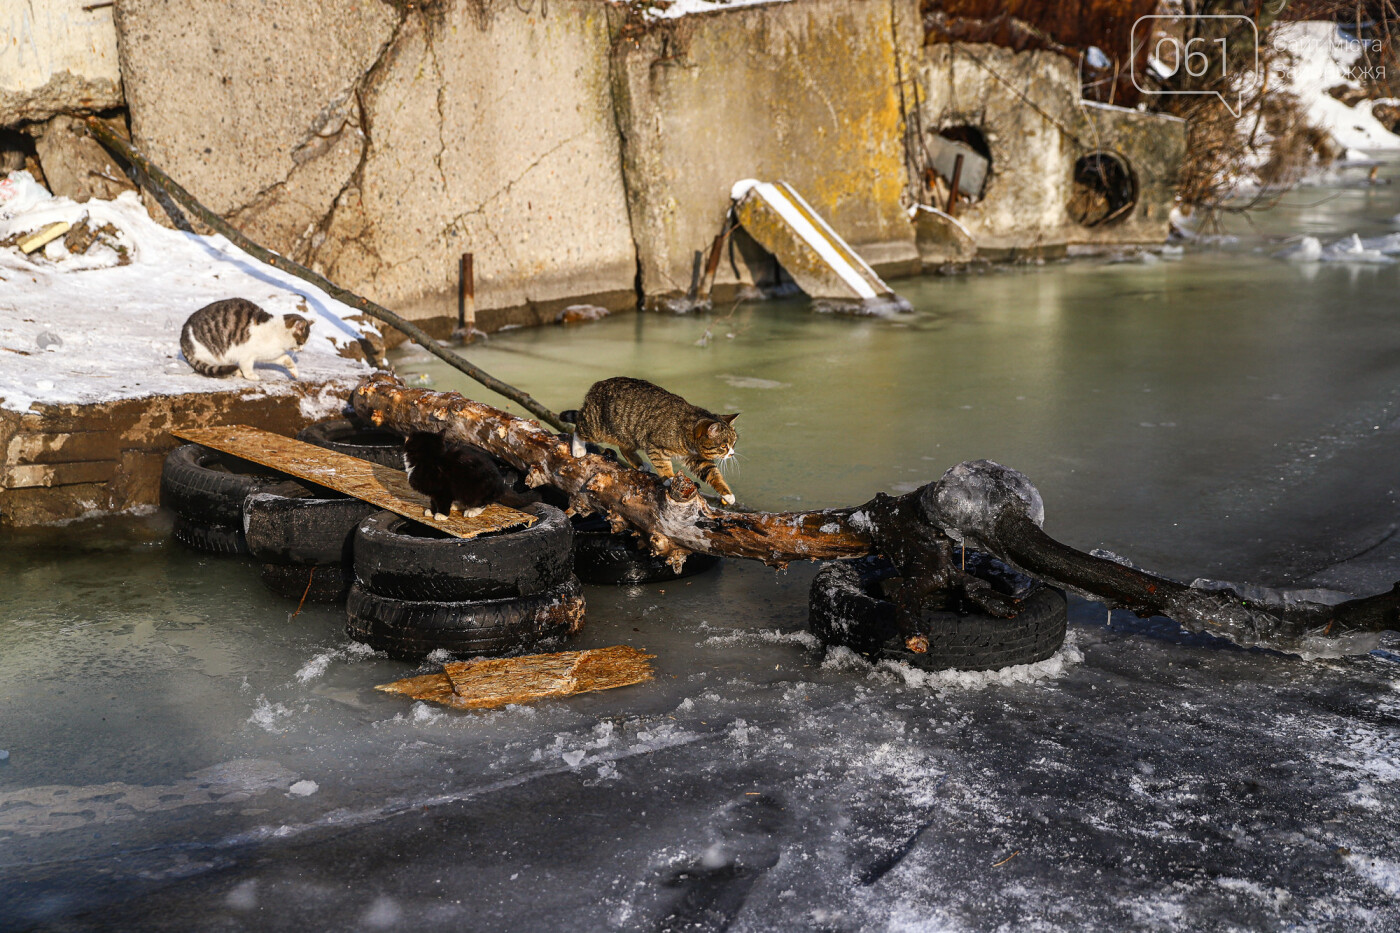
298,523
356,440
208,487
403,559
321,584
605,558
209,539
409,629
846,608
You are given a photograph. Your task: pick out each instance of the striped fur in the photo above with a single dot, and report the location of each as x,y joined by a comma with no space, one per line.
234,335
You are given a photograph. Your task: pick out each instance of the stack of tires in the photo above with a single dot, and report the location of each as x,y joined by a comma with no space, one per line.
606,558
205,489
303,536
418,590
847,607
409,589
300,533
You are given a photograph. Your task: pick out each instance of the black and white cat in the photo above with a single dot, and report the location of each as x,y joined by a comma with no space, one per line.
234,334
456,475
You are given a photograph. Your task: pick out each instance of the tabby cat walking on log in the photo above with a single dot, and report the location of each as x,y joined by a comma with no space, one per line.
234,335
633,414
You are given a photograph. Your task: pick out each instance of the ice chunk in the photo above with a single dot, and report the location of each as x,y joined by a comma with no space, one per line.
971,497
48,340
575,758
1308,249
303,788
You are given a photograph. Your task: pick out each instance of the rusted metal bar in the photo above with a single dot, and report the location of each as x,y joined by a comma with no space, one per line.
466,298
707,281
953,188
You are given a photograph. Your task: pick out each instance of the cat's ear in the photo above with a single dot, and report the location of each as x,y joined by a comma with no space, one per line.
713,429
729,419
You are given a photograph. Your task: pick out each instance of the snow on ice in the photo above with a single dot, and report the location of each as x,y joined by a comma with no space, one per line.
105,324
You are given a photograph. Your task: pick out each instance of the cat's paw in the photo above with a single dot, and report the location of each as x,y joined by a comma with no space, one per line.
427,513
441,517
293,370
576,446
473,513
251,376
728,500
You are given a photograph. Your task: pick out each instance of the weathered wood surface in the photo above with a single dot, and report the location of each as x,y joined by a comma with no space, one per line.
487,683
675,519
375,484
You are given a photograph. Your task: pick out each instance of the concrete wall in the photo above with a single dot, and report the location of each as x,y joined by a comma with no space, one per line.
491,131
56,57
804,92
575,149
1028,108
380,141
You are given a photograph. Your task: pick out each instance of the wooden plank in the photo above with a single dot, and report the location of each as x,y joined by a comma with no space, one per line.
378,485
487,683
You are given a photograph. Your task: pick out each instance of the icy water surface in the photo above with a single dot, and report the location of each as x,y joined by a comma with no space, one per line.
183,753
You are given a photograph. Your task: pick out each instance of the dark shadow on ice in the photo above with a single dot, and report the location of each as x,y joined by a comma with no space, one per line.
712,889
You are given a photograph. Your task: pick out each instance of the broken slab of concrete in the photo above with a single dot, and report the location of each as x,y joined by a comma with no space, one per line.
252,105
75,165
376,142
491,132
807,92
822,264
56,57
942,239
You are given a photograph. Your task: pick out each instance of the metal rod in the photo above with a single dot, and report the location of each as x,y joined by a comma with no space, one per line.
953,188
466,298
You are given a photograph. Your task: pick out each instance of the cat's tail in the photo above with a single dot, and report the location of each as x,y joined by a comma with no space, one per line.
518,500
187,347
571,416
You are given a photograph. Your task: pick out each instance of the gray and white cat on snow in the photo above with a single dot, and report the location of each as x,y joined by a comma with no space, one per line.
234,334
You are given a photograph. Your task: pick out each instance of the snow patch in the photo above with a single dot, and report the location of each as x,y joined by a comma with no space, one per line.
843,660
1382,873
1323,57
763,636
320,663
105,325
661,9
269,716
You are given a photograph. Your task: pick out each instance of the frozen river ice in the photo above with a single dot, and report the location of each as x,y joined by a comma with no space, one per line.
183,754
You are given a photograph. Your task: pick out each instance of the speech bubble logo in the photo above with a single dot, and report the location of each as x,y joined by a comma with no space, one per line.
1169,55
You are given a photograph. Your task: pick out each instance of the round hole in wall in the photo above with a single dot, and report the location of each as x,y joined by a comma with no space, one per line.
1105,190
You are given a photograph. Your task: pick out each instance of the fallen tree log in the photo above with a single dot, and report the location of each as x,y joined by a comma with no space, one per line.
978,504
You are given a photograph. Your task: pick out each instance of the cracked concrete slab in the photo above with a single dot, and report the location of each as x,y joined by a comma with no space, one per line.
251,104
56,57
491,131
806,93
